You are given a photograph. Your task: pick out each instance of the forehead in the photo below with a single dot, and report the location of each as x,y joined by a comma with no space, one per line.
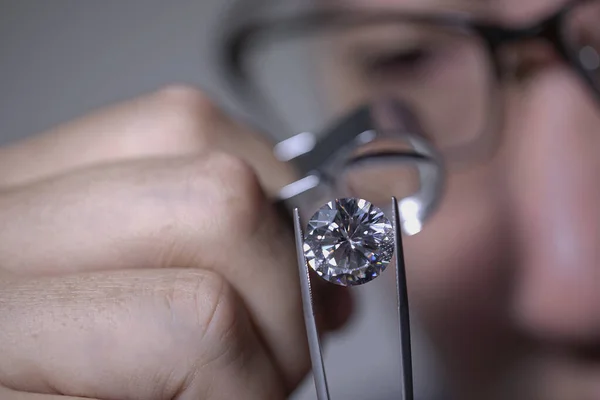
509,10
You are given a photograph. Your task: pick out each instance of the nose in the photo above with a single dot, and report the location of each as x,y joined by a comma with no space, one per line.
555,187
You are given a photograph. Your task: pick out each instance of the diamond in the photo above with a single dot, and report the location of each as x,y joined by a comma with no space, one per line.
349,242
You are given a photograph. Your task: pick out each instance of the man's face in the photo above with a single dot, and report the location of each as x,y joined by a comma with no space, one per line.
506,274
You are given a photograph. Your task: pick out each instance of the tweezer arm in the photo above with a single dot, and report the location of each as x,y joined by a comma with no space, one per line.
403,309
314,343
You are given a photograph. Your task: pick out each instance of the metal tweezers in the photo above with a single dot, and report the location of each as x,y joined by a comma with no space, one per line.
316,354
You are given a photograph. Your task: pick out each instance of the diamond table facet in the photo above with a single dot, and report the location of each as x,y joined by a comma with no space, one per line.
349,242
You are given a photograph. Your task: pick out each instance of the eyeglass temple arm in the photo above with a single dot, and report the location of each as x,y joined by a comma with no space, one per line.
314,343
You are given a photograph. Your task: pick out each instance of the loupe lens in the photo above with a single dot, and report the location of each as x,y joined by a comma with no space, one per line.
377,152
378,181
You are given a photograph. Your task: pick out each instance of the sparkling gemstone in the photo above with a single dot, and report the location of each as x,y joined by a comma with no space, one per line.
349,242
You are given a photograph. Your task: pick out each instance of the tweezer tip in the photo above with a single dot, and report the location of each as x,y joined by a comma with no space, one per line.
316,355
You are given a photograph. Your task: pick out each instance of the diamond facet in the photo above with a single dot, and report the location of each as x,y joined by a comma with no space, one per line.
349,242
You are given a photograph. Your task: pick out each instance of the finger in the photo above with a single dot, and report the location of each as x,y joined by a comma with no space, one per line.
171,122
8,394
149,334
204,212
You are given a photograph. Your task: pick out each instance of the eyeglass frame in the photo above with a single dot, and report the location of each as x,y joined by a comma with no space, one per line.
236,41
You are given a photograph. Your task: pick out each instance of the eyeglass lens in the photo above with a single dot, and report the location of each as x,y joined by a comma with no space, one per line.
445,76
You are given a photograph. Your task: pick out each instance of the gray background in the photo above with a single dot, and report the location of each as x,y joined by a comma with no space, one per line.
62,58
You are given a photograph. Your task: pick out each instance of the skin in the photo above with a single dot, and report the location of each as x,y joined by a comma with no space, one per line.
506,274
141,259
116,298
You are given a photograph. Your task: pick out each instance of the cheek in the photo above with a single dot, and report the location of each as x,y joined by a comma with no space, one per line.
457,268
457,252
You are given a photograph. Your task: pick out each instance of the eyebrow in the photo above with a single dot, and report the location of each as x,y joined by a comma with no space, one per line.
423,5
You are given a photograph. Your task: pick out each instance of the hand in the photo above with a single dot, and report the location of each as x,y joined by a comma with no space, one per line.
140,258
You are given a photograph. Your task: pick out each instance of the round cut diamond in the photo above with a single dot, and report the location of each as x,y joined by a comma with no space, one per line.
349,242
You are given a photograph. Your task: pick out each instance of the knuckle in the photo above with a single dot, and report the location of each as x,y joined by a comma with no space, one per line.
205,301
218,308
213,308
241,196
198,324
234,171
199,204
187,115
182,92
189,102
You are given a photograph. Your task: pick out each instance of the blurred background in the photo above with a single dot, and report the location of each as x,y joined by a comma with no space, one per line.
63,58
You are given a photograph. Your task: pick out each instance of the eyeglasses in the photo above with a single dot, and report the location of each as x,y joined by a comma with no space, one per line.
307,70
302,74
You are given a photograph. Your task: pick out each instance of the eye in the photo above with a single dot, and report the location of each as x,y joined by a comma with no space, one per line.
397,62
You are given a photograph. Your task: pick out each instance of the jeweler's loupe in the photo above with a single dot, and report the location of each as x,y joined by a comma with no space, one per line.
375,152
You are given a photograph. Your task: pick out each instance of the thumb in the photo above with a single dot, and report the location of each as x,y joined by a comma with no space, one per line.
144,334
